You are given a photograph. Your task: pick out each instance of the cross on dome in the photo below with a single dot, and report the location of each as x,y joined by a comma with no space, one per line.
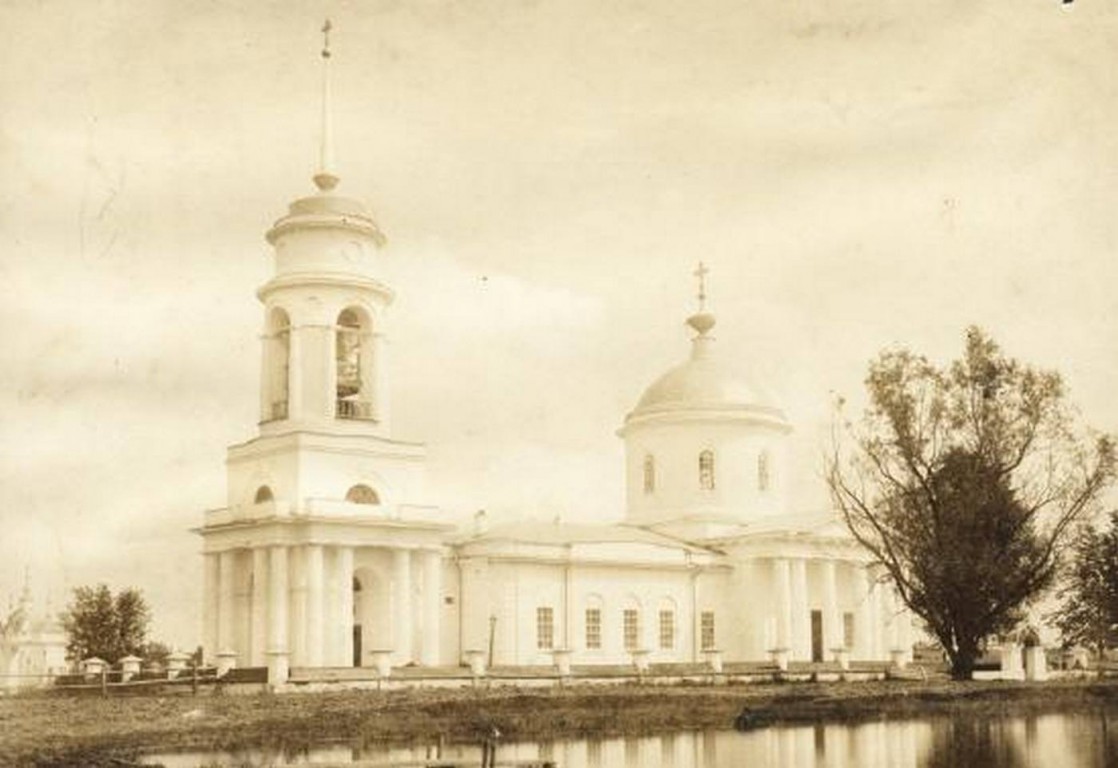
701,272
702,321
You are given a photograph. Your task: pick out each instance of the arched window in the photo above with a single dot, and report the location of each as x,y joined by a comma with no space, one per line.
263,493
764,472
706,470
649,474
362,494
277,350
354,365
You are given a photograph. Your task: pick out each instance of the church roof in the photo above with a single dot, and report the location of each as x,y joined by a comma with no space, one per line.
702,381
706,384
820,525
560,534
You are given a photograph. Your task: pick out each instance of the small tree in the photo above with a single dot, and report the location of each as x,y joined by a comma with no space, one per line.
1088,610
962,482
155,653
99,624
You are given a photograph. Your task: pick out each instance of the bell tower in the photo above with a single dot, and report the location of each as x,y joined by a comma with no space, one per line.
324,512
323,361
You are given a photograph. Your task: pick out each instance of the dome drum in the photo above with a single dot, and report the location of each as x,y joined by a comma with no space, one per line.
721,469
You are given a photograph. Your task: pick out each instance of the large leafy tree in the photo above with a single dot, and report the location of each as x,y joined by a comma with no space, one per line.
1088,611
962,482
97,623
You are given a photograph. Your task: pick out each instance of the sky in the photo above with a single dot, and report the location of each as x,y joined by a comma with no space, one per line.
857,175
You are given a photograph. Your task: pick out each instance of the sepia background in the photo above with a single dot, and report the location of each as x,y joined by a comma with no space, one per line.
856,173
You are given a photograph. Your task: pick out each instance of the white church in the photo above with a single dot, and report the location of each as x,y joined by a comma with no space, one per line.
327,556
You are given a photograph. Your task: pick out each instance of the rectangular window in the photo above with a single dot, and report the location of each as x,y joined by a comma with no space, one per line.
630,621
848,630
667,629
593,628
706,630
545,628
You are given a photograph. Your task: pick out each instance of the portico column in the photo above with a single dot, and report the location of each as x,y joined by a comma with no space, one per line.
783,606
210,606
258,607
889,619
331,615
315,607
877,631
297,619
432,607
277,599
801,635
863,619
344,569
226,637
402,604
904,619
832,621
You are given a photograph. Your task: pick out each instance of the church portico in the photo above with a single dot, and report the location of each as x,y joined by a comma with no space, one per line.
299,598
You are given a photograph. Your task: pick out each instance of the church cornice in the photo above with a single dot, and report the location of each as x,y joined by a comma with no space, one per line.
349,223
342,280
590,562
324,531
326,442
714,413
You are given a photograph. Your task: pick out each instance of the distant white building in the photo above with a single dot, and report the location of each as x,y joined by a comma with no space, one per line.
32,646
326,550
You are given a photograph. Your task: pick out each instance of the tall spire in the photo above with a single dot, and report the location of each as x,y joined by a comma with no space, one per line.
702,321
325,179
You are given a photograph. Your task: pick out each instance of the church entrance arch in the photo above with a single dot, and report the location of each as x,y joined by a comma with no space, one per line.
372,621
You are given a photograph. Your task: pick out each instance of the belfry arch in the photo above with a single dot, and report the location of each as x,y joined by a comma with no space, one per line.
277,365
353,356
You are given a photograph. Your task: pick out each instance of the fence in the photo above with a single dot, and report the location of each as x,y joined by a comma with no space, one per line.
108,682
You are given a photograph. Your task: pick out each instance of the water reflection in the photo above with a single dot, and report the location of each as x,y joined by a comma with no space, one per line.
1069,741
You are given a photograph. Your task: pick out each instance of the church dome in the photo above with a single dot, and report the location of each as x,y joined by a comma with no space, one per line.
705,384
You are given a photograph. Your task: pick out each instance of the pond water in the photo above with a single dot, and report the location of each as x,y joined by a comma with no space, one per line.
1042,741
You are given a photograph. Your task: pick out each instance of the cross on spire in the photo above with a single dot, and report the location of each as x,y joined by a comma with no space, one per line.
701,272
326,179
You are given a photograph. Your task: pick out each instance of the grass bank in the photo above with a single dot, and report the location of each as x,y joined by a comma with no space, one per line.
48,730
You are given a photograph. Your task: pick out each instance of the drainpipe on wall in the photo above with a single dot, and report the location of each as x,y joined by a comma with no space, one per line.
695,625
461,609
568,605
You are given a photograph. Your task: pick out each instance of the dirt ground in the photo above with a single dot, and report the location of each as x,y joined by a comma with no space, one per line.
52,729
